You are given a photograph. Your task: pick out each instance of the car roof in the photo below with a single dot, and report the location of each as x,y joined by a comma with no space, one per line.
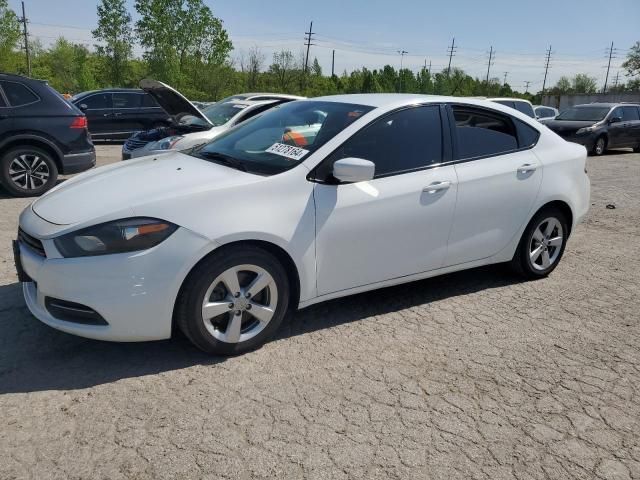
389,99
508,99
268,94
103,90
608,104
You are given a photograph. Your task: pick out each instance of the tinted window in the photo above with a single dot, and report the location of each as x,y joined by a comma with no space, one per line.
148,101
586,113
18,94
525,108
256,111
405,140
545,112
482,133
126,100
630,113
97,101
506,103
527,135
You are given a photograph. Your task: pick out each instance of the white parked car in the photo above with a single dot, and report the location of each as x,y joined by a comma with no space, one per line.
194,125
519,104
223,240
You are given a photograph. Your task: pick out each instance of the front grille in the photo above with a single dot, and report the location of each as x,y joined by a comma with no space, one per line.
31,242
73,312
134,144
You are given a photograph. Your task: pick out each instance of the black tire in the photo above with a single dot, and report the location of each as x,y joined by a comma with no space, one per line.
188,312
28,156
599,146
522,262
637,149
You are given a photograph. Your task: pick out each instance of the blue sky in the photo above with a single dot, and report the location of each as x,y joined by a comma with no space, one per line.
369,32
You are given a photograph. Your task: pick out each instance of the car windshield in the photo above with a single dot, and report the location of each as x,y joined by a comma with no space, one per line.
218,114
282,137
587,114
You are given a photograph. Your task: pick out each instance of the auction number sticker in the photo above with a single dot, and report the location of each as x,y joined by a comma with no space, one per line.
288,151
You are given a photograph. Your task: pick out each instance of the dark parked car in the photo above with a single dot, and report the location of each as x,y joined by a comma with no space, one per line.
41,135
118,112
599,126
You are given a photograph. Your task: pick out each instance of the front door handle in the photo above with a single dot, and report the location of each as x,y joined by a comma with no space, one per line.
107,114
117,114
436,187
527,168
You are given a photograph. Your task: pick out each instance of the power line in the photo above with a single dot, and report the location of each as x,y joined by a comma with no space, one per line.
505,79
616,80
451,50
546,68
526,85
333,63
26,39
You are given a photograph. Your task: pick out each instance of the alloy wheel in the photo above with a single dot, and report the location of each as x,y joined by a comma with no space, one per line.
29,171
239,303
600,146
546,244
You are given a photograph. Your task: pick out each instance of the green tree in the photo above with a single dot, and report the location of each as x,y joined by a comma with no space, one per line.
9,36
180,38
71,67
632,63
583,83
283,70
115,35
562,86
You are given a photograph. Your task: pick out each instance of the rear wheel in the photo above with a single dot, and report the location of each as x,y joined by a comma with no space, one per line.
542,244
600,146
233,301
28,171
637,149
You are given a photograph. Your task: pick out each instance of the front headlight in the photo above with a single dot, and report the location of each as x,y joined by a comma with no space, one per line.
127,235
165,144
585,130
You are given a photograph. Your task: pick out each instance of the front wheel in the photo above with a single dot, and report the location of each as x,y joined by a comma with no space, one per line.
542,244
600,146
233,301
28,171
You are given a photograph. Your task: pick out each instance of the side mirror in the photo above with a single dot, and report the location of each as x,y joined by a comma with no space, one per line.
615,120
353,170
83,106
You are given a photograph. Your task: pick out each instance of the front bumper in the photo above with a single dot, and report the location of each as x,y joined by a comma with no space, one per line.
133,292
78,162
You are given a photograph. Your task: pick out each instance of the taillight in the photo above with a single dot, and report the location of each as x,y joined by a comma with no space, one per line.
79,122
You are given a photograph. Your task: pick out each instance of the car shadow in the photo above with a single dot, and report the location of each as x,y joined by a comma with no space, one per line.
35,357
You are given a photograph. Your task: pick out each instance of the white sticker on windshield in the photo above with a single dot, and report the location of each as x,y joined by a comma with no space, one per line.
288,151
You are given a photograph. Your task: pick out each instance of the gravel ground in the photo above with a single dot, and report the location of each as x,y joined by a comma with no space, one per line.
470,375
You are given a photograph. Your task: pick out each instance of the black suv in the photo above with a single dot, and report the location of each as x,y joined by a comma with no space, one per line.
41,135
599,126
116,113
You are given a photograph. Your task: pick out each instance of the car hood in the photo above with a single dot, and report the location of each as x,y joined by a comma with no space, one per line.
567,125
172,101
119,188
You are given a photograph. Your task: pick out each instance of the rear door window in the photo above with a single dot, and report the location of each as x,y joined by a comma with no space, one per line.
525,108
149,102
482,133
126,100
17,94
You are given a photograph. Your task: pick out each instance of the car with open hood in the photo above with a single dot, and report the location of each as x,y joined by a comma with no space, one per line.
222,240
191,125
600,126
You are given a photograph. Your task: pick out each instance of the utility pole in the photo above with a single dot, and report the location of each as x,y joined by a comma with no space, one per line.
606,79
402,54
616,80
26,39
489,66
505,79
308,38
451,50
333,63
526,86
546,68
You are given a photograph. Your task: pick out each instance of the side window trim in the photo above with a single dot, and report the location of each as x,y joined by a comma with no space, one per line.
6,99
454,139
447,152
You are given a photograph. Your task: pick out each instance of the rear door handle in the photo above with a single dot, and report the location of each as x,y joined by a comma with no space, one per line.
527,168
436,187
107,114
117,114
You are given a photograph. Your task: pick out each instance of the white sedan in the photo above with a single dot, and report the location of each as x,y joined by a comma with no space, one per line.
283,212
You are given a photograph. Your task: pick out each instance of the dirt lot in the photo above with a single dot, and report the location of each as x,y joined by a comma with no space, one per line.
471,375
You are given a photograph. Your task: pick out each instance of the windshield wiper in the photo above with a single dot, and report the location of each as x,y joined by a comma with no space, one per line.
223,159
